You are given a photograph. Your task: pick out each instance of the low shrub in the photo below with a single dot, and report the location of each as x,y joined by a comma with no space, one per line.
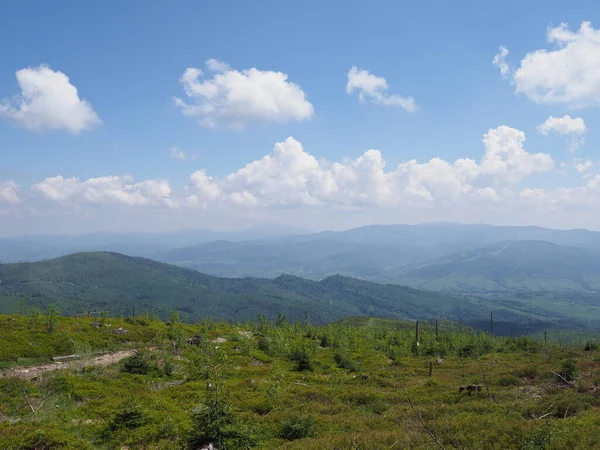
565,403
51,439
298,428
303,359
529,372
141,363
345,361
509,380
569,371
129,416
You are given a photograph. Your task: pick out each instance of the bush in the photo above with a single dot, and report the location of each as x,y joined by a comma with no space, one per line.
590,346
529,372
141,363
61,383
298,428
568,403
466,351
216,423
345,361
129,416
302,359
51,439
569,371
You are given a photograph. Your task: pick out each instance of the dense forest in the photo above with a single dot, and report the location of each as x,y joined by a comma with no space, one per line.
123,285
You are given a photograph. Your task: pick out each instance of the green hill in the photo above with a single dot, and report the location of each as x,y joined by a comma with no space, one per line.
508,267
458,259
123,284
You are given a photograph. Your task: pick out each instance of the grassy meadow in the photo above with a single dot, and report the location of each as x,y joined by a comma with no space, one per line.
361,383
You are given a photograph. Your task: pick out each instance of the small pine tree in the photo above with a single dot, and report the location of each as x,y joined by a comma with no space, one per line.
51,318
34,318
344,360
302,358
298,428
215,423
176,332
569,370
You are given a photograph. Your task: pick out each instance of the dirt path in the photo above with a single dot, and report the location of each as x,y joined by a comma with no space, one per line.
33,372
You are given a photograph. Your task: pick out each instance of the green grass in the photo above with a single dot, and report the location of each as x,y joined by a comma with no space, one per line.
262,400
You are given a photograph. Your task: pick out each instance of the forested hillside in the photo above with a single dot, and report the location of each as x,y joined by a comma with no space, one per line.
121,284
443,257
509,267
124,285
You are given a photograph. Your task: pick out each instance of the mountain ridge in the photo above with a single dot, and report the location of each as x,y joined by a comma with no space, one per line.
379,253
122,284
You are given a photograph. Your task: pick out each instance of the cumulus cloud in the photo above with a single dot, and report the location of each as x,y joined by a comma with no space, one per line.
48,101
234,99
564,199
291,177
8,192
109,189
568,73
291,185
574,128
373,88
289,182
563,125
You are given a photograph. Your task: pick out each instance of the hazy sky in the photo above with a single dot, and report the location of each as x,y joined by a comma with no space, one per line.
149,115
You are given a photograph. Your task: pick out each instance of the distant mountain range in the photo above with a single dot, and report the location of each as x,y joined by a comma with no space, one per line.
445,257
122,284
125,285
38,247
508,267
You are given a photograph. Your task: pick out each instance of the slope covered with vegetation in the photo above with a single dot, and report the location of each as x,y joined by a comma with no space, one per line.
429,262
508,267
363,383
123,285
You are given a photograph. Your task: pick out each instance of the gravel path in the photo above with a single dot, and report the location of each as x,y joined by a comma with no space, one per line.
33,372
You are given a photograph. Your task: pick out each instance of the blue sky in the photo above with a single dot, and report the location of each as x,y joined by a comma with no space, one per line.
126,60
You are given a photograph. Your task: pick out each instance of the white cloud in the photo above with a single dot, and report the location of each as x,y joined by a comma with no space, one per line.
583,166
215,65
234,99
500,61
204,186
8,192
178,154
291,177
574,128
290,185
563,125
563,200
374,88
48,100
568,73
109,189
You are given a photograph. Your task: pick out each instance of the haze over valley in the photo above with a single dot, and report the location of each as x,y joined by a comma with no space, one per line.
445,257
532,278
